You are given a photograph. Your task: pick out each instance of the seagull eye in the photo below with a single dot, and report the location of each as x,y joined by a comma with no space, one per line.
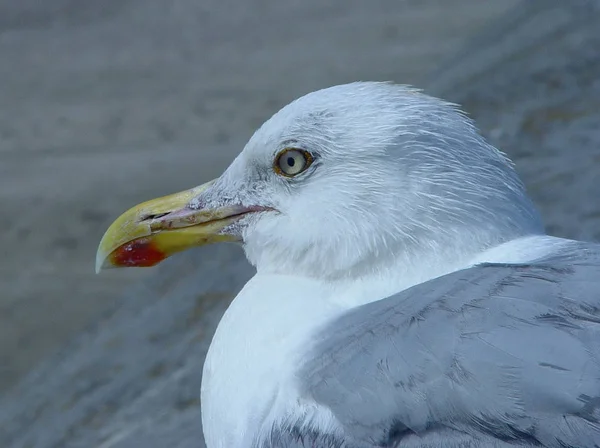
291,162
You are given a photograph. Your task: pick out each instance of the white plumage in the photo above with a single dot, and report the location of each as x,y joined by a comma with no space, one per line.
403,191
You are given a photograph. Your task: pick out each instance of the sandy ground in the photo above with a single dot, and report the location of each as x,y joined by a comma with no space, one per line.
105,104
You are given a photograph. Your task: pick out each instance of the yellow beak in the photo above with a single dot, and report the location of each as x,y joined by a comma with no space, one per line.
150,232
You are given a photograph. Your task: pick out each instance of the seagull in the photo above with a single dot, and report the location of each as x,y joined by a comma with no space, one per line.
406,294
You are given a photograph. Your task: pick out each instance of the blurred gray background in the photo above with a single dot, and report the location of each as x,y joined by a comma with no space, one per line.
104,104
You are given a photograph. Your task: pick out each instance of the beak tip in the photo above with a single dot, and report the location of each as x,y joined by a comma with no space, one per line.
104,260
100,262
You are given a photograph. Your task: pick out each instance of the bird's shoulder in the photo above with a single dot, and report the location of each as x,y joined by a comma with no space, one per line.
499,349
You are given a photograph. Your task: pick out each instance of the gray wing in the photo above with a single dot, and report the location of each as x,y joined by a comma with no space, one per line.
488,356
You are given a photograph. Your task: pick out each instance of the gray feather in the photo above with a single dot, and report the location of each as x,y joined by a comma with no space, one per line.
492,355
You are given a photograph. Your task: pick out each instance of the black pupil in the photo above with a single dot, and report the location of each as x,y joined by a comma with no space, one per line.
291,161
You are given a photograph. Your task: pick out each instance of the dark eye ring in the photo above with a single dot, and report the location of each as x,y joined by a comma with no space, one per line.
291,162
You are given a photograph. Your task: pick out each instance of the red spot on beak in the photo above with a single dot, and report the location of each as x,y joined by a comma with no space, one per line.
137,253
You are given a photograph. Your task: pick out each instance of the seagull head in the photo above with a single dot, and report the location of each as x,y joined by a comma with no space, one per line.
338,182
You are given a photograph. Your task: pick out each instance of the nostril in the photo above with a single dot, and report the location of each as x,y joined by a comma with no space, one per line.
151,217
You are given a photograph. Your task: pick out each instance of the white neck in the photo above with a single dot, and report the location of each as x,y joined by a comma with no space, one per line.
253,354
248,374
